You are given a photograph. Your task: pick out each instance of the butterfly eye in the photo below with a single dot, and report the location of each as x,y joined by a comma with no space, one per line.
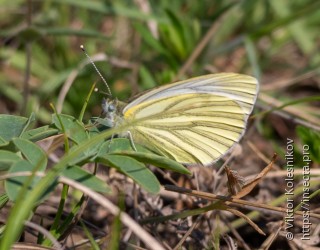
108,106
111,108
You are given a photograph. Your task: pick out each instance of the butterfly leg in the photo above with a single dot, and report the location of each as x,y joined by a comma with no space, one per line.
131,141
110,142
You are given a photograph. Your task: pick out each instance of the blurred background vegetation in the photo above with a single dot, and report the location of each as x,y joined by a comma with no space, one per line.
140,44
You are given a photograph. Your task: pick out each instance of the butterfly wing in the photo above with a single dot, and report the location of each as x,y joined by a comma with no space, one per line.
195,121
240,88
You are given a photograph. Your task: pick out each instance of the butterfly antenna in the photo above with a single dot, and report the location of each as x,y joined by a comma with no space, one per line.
95,67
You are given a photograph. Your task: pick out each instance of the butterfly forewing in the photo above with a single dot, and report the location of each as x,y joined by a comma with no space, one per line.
237,87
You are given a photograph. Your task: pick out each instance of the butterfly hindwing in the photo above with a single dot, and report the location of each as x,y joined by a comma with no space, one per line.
191,128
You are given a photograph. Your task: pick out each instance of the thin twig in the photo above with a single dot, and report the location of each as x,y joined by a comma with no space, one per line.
233,201
184,238
45,232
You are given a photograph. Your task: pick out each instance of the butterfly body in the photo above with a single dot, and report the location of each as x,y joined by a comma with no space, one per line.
195,121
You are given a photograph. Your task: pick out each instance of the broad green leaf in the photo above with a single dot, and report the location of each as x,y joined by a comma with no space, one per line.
39,133
122,146
11,126
33,153
7,158
134,169
13,185
87,179
73,128
85,155
156,160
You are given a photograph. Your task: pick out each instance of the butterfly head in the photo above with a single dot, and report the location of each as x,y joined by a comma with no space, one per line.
109,110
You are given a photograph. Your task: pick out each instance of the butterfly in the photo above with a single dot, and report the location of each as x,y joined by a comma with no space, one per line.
195,121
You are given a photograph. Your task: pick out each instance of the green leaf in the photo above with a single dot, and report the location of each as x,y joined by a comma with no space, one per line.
73,128
87,179
32,152
134,169
122,146
35,160
11,126
18,215
31,119
156,160
86,154
39,133
13,185
7,158
88,233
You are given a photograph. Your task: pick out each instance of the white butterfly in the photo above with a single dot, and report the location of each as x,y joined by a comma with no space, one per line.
195,121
